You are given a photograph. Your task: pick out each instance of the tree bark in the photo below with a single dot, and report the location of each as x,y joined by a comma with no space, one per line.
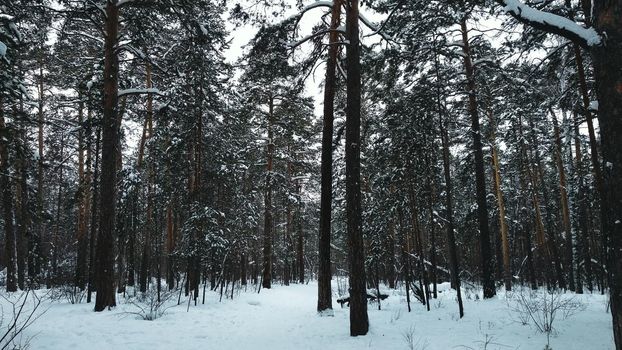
94,217
145,261
488,282
454,264
268,214
104,275
359,322
538,182
170,246
53,277
390,254
324,269
22,214
418,238
608,68
432,232
300,261
505,243
565,211
584,239
405,255
36,248
83,194
7,204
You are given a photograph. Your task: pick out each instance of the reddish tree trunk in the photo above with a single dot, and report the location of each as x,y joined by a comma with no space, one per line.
104,274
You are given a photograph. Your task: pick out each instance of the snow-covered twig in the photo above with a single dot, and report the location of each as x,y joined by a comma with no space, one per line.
139,92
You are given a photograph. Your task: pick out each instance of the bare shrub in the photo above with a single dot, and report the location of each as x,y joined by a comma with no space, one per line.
542,308
71,294
22,312
412,341
150,306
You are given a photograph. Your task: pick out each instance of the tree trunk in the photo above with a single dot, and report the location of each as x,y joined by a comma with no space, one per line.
83,194
598,177
268,214
539,183
584,239
359,322
324,270
565,211
432,232
22,212
94,212
145,261
104,276
418,237
289,246
300,261
7,205
405,256
390,252
488,282
454,264
53,278
505,243
170,246
36,249
131,242
608,68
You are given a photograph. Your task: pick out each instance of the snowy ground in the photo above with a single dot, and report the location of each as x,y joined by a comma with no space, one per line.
285,318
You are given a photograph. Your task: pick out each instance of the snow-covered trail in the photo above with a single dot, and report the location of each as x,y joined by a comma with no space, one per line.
285,318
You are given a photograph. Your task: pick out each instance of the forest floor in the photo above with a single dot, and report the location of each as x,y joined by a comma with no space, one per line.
285,318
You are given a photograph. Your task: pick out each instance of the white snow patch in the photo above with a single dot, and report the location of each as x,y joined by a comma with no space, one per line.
285,317
138,91
516,7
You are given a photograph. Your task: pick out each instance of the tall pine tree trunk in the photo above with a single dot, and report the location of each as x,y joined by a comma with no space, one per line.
565,211
36,248
451,239
488,282
7,205
584,239
359,322
94,217
22,213
454,264
300,261
83,194
496,169
145,261
324,269
104,274
430,184
268,210
608,69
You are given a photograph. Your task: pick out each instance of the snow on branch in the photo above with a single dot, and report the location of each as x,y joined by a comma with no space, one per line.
86,35
317,4
374,28
139,92
551,23
123,2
